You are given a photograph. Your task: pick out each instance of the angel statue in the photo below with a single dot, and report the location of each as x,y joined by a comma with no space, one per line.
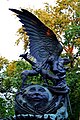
46,49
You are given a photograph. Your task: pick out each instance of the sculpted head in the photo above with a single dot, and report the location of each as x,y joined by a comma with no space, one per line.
37,96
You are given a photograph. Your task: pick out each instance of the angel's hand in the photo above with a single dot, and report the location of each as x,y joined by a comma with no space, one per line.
24,55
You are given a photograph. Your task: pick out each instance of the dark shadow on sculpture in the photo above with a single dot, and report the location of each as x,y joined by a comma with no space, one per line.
46,102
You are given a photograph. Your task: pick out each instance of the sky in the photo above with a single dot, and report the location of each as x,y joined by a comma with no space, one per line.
9,25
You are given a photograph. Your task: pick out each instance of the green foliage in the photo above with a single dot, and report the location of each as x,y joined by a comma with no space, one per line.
3,61
22,37
2,107
73,81
72,35
10,82
6,108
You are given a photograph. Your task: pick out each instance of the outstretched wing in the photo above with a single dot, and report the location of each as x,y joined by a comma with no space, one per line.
43,42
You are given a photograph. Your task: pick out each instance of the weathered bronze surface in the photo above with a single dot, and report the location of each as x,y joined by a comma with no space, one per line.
46,102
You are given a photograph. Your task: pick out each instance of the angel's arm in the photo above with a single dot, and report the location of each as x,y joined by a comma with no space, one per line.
36,67
27,59
49,76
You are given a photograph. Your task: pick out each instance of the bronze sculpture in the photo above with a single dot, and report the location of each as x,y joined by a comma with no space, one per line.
42,101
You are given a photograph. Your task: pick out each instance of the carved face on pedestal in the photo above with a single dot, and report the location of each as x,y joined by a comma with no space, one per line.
37,96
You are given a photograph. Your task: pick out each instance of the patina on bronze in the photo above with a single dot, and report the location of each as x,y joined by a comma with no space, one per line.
43,102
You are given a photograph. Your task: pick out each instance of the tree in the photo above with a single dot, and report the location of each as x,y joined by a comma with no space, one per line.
11,83
22,37
3,62
73,81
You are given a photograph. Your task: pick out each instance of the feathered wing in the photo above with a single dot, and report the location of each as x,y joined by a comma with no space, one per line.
43,42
